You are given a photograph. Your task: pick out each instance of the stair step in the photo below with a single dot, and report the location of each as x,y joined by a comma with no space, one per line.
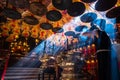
17,74
26,77
21,77
21,73
14,68
23,68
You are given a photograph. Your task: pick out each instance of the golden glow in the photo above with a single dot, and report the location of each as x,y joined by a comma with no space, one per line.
36,40
88,61
19,46
92,61
76,0
93,45
24,44
118,3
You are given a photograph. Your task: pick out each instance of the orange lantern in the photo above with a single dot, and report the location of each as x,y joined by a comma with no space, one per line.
25,34
5,33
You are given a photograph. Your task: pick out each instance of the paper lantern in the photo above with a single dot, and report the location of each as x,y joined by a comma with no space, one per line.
25,34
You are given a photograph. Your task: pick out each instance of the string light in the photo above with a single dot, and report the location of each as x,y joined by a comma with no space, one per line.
20,46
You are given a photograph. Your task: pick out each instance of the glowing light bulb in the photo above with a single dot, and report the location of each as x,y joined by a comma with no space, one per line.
92,61
16,36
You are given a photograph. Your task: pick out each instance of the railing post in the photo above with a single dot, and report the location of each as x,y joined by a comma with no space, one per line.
5,67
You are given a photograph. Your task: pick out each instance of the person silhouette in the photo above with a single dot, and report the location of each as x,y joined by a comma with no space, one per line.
103,52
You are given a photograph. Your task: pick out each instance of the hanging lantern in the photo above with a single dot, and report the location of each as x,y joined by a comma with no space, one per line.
34,32
16,30
11,38
34,35
25,27
49,33
93,48
42,34
25,34
16,36
5,28
5,33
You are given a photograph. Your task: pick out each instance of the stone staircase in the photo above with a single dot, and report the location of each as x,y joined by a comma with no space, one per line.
21,73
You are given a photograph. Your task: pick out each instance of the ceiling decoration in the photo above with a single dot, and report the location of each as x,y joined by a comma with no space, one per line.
61,4
46,26
37,18
88,17
88,1
76,9
31,20
103,5
114,12
57,30
70,33
46,2
67,24
101,23
23,4
53,15
38,8
10,13
80,28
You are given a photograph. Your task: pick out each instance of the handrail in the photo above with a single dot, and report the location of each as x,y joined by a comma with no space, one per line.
5,68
